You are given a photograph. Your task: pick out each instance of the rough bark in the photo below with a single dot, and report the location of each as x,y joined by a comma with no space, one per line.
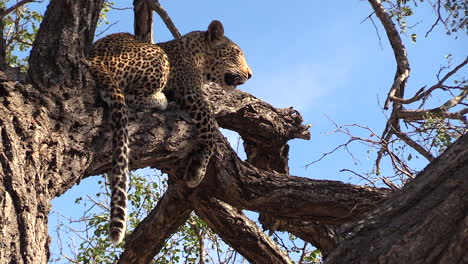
44,144
171,212
425,222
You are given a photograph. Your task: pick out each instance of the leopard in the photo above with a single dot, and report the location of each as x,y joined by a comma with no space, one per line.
134,74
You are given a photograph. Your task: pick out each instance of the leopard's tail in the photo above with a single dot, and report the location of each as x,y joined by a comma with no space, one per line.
119,174
113,95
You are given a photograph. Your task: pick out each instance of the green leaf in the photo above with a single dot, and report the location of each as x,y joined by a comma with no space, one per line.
78,200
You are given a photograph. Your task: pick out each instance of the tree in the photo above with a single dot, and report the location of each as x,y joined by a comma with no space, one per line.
51,137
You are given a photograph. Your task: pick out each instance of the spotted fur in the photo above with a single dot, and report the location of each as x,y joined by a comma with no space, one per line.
130,73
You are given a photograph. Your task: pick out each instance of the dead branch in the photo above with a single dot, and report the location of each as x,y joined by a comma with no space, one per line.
413,115
423,94
403,66
154,4
439,17
414,145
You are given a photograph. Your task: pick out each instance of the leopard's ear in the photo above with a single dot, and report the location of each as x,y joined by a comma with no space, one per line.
215,32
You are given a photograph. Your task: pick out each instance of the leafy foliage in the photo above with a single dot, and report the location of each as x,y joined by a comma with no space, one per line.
20,29
95,246
450,13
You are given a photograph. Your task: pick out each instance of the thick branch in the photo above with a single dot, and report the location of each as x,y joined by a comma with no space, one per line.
143,20
244,186
324,237
329,202
148,238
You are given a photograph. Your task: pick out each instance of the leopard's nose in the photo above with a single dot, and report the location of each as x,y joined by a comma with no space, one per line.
249,75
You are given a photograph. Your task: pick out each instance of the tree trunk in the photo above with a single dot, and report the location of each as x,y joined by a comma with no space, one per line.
425,222
44,147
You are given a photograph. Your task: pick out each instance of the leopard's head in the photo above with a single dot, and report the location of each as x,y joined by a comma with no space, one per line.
226,65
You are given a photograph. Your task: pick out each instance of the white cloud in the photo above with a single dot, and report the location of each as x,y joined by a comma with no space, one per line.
300,86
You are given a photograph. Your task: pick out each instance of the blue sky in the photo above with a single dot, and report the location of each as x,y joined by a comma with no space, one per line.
314,56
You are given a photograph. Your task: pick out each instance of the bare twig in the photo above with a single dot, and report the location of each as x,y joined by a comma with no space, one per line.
420,94
359,175
414,145
107,28
375,27
201,243
330,152
390,184
439,17
344,129
303,254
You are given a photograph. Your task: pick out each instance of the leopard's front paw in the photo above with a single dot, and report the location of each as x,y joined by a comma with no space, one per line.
194,173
